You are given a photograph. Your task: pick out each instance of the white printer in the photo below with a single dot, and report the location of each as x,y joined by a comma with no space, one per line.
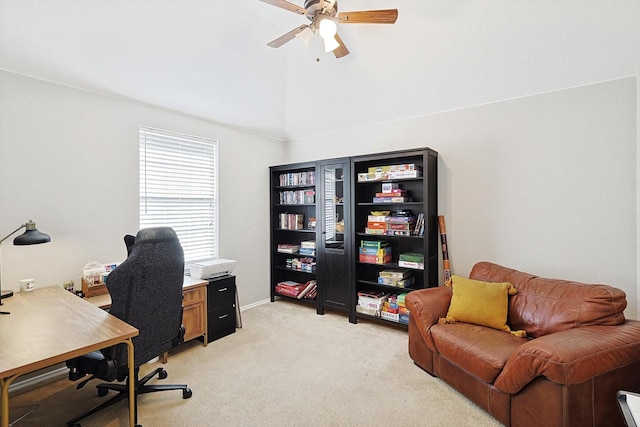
212,268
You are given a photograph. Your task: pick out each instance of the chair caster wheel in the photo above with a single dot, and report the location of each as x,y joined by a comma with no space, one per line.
101,392
163,374
187,393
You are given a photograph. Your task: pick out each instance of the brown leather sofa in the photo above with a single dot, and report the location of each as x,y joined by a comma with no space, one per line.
579,352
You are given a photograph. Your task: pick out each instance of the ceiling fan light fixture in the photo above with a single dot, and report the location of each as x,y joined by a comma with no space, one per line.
330,44
305,36
327,28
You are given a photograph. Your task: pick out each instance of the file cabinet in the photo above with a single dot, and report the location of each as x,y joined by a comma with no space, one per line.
221,307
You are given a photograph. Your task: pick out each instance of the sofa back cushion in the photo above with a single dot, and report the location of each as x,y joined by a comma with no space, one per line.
544,306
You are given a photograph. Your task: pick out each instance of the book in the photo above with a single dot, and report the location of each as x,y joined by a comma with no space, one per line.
379,231
365,250
311,284
373,244
379,225
391,199
393,193
395,274
419,225
307,251
288,248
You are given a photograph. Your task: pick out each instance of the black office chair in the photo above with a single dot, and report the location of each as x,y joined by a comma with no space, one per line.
146,292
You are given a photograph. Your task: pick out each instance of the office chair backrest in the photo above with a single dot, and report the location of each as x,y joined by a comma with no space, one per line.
146,292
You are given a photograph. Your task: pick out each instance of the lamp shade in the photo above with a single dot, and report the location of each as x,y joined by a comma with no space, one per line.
327,28
305,36
31,236
330,44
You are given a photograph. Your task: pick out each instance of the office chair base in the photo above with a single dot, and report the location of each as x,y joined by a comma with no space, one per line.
122,389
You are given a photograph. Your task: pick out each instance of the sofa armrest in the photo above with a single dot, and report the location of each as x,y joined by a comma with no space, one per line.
572,356
426,307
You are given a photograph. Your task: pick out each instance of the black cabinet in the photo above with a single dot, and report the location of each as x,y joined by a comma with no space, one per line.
221,307
334,254
324,212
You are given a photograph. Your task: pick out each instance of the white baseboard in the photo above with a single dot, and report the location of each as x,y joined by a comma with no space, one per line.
255,304
38,380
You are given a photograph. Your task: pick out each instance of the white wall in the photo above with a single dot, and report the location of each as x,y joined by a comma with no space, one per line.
69,161
545,184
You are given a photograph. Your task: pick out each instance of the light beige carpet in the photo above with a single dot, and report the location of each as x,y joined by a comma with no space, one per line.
287,366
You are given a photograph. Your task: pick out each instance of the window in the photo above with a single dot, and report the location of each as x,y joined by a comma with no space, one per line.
178,179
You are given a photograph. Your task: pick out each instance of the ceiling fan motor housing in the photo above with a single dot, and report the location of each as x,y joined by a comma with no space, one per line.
313,8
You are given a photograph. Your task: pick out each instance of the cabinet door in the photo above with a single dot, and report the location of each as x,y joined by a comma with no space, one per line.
193,312
334,274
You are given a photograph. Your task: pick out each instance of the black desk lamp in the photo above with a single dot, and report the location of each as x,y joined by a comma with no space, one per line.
30,237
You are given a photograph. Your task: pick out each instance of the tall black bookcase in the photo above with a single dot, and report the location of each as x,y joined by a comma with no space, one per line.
329,202
413,175
294,219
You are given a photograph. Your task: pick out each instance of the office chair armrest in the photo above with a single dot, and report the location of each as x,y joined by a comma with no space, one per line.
92,363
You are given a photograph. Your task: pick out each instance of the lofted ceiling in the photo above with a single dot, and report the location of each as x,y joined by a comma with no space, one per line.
209,58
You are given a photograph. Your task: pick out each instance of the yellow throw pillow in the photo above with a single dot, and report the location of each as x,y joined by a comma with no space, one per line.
480,303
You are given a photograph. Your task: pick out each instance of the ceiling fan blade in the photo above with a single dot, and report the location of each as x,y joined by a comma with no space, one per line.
341,50
386,16
287,6
286,37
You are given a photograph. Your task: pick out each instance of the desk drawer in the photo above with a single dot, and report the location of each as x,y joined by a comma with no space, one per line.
193,296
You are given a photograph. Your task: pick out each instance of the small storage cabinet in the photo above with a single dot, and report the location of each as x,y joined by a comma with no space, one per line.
221,307
194,312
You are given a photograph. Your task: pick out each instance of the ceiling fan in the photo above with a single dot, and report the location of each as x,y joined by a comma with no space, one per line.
324,15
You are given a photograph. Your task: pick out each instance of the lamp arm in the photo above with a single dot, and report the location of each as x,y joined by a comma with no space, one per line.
13,232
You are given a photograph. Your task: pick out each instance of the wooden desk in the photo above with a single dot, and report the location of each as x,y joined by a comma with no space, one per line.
194,311
50,325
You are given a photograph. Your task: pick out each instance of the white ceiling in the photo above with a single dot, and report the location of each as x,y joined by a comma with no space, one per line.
209,59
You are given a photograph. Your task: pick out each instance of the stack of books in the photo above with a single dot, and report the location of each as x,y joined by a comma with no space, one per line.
396,278
297,290
395,310
308,248
374,252
390,225
400,225
371,302
394,196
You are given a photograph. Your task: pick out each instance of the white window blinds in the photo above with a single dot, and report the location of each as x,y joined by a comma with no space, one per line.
178,189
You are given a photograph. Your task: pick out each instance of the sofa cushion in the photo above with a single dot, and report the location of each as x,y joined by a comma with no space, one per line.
572,356
481,351
480,303
545,306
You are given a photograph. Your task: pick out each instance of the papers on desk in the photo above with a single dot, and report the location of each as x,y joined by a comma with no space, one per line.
630,406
